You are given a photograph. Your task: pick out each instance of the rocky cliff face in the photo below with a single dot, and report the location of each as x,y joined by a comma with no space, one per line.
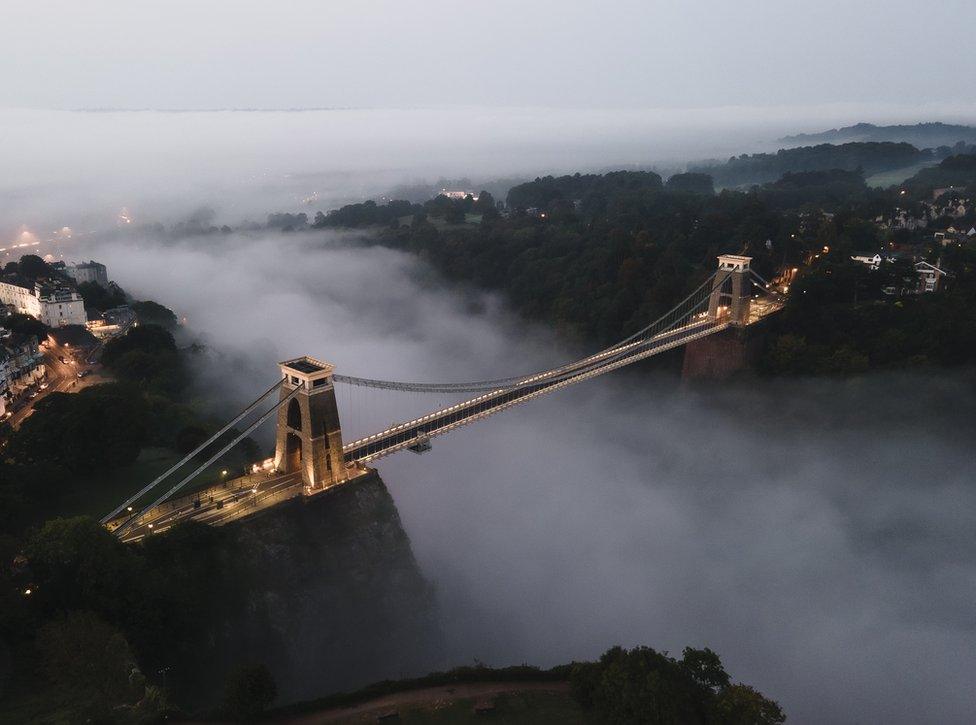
334,598
718,356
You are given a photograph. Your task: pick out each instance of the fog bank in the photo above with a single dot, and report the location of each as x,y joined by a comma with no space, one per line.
817,534
80,169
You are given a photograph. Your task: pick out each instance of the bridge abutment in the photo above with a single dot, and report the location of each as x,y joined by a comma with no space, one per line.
309,436
718,357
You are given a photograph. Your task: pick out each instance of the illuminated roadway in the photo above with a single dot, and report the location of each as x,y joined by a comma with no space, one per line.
222,506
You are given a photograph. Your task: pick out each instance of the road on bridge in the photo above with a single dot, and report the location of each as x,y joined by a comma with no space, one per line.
220,507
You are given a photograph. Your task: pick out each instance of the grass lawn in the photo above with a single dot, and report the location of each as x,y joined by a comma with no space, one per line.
895,176
97,495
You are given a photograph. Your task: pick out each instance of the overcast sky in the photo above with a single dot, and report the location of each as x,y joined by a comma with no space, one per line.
381,53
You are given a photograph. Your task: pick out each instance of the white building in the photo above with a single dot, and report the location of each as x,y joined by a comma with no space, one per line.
458,194
871,260
53,304
90,271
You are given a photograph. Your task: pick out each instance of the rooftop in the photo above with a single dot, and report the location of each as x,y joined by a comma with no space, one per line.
305,366
308,365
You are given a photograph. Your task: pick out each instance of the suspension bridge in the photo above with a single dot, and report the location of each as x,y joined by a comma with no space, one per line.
311,457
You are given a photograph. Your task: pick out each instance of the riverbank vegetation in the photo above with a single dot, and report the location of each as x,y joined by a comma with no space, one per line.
599,256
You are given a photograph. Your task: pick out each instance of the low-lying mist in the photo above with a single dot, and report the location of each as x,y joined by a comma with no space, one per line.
818,534
80,169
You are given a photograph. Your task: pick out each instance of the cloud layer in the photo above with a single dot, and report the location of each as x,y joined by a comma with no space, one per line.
818,535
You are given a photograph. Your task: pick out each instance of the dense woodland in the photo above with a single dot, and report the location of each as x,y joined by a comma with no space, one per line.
923,135
867,156
599,256
79,612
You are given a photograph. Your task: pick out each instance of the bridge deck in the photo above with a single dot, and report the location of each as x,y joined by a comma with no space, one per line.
248,495
439,422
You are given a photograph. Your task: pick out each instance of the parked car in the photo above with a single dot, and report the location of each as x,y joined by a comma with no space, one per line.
84,373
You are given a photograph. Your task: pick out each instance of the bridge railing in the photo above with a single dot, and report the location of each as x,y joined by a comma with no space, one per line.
403,435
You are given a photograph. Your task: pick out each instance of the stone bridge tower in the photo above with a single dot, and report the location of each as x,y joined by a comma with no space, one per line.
730,290
309,436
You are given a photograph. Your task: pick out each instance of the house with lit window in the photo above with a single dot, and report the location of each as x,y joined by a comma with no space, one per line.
930,277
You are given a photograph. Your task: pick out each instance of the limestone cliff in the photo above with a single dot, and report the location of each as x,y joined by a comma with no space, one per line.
333,597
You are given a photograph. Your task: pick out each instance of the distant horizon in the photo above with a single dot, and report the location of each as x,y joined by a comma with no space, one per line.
875,114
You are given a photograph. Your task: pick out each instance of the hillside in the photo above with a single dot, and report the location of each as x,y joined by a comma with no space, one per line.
922,135
325,593
866,157
637,685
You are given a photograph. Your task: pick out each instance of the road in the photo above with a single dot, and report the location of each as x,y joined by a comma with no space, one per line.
62,377
222,506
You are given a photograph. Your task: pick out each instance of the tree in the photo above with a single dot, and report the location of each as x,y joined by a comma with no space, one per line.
153,313
485,203
641,686
78,565
645,686
147,338
249,691
706,667
82,653
454,214
691,183
743,705
31,266
74,335
147,356
100,298
26,325
189,437
28,492
287,222
99,428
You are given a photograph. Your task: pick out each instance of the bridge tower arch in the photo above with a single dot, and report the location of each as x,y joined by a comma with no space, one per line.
730,290
309,437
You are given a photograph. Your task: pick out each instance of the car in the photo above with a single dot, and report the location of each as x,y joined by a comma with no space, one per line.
84,373
44,386
33,394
